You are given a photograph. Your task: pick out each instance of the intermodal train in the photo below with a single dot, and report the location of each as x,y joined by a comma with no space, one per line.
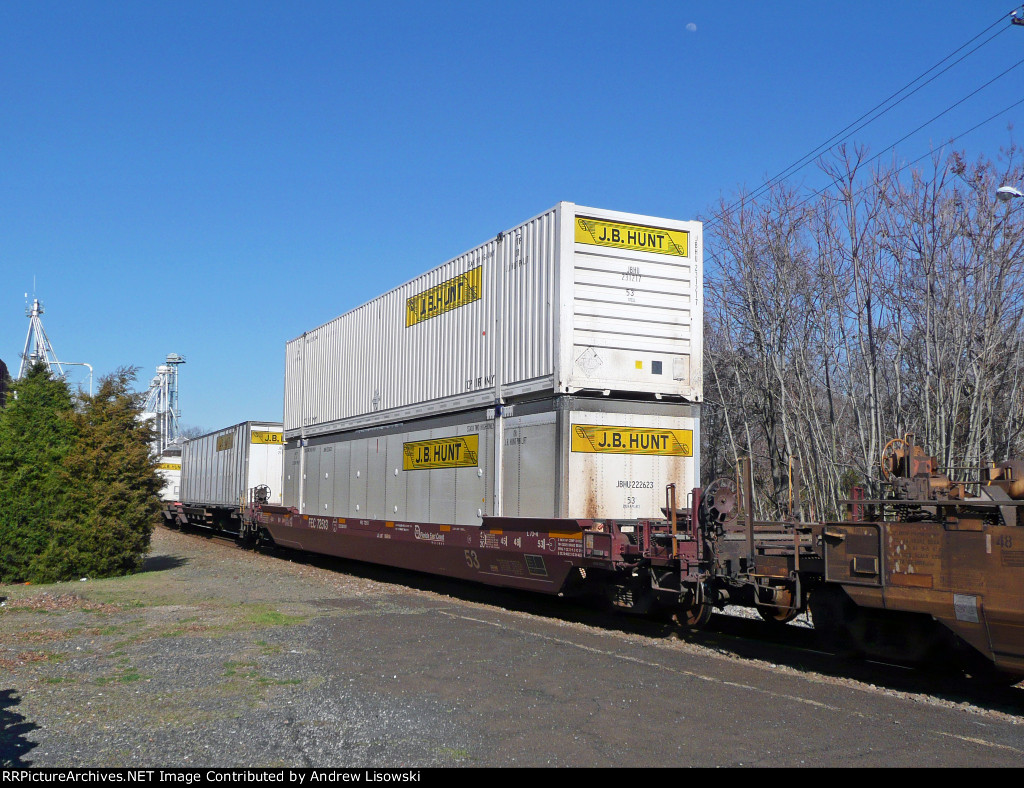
527,415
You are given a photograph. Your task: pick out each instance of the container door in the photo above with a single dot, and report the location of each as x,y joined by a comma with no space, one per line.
311,479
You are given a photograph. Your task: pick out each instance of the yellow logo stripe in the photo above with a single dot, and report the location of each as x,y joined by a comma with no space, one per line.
261,436
632,236
451,294
458,452
600,439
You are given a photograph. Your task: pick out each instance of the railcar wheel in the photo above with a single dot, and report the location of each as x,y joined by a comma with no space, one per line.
777,608
695,617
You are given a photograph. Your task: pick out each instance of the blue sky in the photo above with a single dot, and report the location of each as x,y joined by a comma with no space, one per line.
212,179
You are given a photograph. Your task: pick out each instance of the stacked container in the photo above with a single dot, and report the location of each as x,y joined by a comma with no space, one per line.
554,371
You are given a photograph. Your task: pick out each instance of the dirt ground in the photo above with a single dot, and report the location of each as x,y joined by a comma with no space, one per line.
217,656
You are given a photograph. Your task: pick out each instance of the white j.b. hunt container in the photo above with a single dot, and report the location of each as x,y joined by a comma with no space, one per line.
169,469
220,468
561,456
554,371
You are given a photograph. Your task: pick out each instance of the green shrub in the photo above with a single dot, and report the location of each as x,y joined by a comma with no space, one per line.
36,434
84,494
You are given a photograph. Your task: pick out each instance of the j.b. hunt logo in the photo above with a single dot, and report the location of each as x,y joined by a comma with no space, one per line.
632,236
459,452
450,294
601,439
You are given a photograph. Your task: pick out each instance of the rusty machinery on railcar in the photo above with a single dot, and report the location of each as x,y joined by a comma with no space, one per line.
933,557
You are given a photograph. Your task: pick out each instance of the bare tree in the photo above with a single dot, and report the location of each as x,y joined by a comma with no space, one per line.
889,304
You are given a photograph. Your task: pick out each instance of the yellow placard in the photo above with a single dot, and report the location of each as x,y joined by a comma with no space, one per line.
601,439
632,236
262,436
169,466
460,452
225,442
451,294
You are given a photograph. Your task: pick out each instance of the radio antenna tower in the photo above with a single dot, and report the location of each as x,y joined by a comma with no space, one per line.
37,344
162,403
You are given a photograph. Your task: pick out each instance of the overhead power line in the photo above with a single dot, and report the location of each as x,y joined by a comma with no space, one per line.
856,126
873,114
901,168
950,108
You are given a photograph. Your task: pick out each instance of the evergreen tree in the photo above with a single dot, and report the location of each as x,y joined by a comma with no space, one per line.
112,485
36,434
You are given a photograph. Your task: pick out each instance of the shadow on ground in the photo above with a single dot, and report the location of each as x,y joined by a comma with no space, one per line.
13,728
160,563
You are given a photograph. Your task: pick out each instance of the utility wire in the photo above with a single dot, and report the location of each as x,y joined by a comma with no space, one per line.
919,158
802,162
897,171
838,137
976,126
950,140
